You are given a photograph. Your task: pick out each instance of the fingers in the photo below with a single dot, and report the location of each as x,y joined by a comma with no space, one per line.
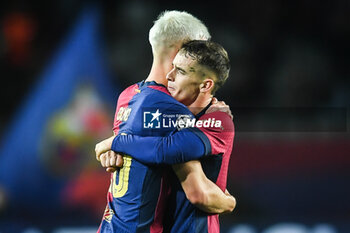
111,161
227,193
103,159
111,169
228,111
119,161
116,161
107,159
219,106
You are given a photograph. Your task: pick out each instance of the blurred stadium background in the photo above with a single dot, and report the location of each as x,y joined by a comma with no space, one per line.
63,64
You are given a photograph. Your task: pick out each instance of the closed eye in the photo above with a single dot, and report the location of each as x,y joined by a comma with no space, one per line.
179,70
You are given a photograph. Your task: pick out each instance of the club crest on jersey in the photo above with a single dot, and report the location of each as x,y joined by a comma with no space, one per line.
108,214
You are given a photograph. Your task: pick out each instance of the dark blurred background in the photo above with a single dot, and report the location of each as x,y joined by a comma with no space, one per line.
288,90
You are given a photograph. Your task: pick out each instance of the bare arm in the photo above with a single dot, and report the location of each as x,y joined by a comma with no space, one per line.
201,191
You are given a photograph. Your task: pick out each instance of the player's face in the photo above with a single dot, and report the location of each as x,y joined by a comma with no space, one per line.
184,79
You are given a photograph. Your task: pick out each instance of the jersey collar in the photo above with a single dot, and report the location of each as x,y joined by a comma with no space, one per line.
201,113
144,84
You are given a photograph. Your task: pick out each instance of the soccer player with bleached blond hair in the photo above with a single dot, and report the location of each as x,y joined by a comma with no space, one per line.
165,33
138,192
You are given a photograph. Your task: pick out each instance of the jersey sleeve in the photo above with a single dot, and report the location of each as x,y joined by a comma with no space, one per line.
180,147
210,136
123,99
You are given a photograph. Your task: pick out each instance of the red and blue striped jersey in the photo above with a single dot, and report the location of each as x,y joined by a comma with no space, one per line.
135,191
183,216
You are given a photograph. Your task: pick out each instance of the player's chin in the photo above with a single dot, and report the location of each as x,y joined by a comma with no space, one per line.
172,91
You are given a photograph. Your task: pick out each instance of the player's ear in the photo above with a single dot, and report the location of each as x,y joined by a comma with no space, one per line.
207,85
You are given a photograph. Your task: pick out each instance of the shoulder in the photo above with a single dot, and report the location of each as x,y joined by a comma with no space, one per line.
219,129
166,102
129,91
132,88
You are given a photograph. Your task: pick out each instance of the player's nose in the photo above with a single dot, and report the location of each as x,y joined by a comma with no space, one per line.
170,75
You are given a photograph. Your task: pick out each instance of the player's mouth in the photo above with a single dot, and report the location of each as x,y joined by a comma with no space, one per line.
171,89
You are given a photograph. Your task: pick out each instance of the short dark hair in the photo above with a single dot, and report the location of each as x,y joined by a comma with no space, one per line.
211,55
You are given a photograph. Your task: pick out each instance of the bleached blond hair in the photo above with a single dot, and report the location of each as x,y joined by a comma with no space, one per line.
173,27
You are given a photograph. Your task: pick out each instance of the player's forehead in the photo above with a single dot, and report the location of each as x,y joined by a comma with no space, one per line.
184,61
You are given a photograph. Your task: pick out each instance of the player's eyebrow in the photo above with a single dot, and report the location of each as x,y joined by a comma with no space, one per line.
178,68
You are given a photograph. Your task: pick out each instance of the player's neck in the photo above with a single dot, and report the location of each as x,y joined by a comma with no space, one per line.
200,103
158,72
162,64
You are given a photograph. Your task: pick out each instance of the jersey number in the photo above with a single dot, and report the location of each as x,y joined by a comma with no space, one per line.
120,189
